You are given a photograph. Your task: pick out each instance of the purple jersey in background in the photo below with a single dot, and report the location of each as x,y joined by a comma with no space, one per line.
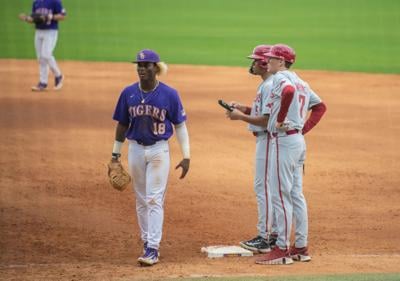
46,7
152,120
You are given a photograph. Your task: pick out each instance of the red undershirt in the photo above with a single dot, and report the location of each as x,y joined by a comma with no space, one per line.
316,114
286,100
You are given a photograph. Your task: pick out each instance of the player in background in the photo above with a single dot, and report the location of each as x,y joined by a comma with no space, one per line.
147,112
290,100
46,39
257,117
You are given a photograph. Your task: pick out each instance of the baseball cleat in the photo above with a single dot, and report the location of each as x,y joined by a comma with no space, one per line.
145,249
276,256
58,82
272,238
256,245
149,258
39,87
299,254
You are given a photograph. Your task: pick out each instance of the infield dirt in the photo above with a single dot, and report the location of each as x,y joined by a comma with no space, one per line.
60,219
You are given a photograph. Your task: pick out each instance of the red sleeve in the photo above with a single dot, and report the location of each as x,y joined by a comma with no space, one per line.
317,111
286,100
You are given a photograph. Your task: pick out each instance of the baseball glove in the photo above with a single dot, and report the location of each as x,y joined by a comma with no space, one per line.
119,178
39,18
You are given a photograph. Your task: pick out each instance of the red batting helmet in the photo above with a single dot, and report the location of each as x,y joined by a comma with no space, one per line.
282,51
259,52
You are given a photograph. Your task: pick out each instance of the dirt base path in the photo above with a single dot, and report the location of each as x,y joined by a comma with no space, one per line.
60,220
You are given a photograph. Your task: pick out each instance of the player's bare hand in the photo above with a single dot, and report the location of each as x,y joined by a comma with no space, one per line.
184,164
235,114
234,103
238,106
282,126
22,16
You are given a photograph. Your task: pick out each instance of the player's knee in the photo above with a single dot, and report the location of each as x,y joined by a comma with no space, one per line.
152,202
45,57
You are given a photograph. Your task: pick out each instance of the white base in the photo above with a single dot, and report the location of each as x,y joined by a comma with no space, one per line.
225,251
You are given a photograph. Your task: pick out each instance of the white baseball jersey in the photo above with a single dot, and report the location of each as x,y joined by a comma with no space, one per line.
304,98
259,106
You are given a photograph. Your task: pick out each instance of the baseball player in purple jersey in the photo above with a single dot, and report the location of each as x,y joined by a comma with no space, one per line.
290,100
257,117
147,113
46,35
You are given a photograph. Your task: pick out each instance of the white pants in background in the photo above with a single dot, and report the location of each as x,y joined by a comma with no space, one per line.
45,42
266,223
149,167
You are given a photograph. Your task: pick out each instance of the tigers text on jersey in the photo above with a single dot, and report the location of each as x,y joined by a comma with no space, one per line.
149,115
260,106
46,7
304,98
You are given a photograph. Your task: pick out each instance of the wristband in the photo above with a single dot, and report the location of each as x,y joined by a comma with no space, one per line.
115,156
116,152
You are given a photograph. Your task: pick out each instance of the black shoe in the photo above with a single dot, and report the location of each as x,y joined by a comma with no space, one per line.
58,82
256,245
272,239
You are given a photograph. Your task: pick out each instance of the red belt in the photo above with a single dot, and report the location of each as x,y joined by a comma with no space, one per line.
288,133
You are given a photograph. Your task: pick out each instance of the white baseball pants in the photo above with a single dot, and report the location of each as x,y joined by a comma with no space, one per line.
266,222
149,167
287,159
45,42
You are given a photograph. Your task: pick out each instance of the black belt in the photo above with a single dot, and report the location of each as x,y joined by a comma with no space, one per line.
145,143
256,134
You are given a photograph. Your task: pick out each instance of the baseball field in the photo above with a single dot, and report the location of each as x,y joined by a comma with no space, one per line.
61,220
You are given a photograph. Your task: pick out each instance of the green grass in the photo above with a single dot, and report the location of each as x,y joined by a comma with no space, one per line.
356,35
337,277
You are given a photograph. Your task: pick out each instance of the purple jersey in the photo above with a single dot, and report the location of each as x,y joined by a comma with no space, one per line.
46,7
149,116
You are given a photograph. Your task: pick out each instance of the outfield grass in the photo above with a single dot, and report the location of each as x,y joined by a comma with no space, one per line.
357,35
338,277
